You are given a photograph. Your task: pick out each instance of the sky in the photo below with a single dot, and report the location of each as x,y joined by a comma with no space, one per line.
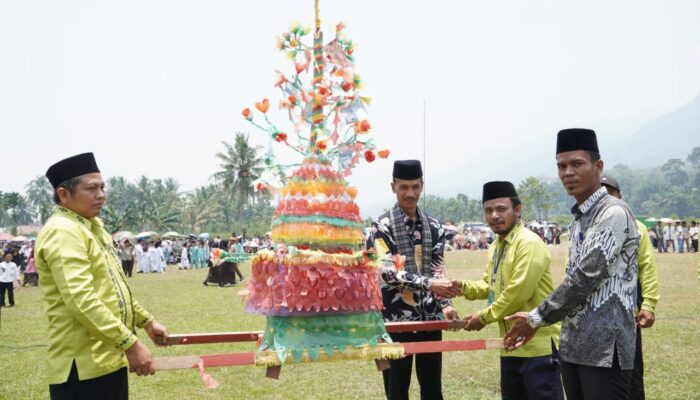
153,87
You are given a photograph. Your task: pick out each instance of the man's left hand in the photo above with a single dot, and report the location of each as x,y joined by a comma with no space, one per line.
158,333
450,315
645,319
473,323
520,332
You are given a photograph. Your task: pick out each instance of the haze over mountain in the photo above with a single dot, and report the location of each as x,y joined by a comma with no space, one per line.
637,141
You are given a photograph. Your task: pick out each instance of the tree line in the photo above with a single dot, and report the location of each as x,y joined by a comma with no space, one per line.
229,203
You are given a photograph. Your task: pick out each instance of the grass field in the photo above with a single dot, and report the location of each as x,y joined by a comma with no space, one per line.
179,301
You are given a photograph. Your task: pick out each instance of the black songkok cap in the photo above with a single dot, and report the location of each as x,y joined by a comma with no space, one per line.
407,169
498,189
71,167
576,139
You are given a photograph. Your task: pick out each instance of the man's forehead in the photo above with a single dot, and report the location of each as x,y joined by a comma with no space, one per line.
569,156
92,179
500,201
408,182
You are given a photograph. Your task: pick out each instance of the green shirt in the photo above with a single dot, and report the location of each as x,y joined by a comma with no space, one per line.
648,279
520,283
92,316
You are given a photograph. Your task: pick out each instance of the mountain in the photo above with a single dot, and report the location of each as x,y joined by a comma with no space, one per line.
637,144
672,135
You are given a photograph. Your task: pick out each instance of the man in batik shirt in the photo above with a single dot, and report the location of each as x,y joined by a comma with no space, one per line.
596,301
419,292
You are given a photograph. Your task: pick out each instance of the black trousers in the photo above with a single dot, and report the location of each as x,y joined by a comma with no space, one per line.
531,378
113,386
397,379
7,287
694,245
637,378
582,382
128,267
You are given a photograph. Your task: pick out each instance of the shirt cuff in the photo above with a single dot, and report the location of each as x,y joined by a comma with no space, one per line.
485,317
125,344
649,305
534,319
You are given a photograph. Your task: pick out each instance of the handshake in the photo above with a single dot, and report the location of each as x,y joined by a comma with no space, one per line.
446,288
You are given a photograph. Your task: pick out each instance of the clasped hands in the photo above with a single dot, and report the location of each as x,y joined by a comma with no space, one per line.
446,288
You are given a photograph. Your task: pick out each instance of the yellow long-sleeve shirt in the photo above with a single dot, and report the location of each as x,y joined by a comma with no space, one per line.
522,281
92,316
648,278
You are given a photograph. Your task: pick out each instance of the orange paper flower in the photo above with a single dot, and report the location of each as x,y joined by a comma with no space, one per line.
246,114
383,153
263,106
369,156
322,143
362,126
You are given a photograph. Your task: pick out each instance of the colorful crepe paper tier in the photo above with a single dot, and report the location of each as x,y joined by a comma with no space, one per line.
330,333
319,294
312,283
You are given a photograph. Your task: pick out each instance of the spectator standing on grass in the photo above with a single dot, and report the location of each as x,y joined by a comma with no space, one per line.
126,254
155,257
660,237
678,230
18,258
670,237
685,236
694,236
31,277
9,273
184,257
139,255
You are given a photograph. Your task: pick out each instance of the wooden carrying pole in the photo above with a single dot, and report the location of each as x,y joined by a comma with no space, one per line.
252,336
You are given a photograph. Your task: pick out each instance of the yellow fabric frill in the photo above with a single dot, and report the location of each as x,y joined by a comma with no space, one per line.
382,351
310,257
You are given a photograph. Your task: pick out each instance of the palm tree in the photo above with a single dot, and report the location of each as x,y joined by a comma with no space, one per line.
165,204
40,197
201,208
240,166
16,210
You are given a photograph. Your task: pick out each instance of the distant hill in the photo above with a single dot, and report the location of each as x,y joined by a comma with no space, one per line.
672,135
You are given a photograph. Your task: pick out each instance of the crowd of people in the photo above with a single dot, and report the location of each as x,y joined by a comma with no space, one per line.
678,236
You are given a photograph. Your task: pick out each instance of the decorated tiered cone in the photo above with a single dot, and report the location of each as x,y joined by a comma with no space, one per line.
319,292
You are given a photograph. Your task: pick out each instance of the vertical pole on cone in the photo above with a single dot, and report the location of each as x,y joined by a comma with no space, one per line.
317,105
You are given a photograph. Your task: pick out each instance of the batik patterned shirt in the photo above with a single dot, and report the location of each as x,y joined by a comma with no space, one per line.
597,299
406,295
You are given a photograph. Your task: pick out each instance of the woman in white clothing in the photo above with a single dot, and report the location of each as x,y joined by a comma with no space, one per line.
184,261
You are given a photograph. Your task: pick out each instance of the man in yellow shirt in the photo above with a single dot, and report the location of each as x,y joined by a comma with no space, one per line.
92,315
647,293
517,278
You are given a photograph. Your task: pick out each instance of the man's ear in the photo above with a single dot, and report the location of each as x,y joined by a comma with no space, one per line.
63,194
518,210
393,187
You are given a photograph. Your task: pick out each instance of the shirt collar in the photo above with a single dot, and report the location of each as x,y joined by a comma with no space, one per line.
89,223
579,209
406,218
511,236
